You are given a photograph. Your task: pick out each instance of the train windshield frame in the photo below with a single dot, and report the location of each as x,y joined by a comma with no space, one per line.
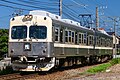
38,32
19,32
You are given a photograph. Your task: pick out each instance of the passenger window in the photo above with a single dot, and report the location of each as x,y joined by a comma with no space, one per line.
56,34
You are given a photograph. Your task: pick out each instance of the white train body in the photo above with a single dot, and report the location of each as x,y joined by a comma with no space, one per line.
41,40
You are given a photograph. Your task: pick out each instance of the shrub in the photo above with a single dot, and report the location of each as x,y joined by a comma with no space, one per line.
115,61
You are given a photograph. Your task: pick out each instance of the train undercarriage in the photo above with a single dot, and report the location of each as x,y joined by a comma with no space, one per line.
45,64
32,64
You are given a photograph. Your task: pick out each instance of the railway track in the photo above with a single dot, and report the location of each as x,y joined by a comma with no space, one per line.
52,75
10,76
18,76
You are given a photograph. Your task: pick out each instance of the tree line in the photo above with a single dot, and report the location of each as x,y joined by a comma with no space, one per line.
3,42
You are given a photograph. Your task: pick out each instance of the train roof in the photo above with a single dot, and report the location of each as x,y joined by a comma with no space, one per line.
58,18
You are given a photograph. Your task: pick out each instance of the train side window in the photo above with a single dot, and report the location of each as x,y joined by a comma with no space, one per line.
56,34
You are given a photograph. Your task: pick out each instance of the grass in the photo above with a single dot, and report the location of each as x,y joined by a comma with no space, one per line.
8,70
102,67
99,68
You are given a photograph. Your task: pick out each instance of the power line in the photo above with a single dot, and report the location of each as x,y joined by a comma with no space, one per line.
70,12
14,7
23,4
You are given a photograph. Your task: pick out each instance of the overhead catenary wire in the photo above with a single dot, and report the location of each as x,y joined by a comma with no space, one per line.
24,4
15,7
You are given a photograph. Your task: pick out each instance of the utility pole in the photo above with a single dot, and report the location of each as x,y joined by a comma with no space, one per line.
97,19
115,46
60,8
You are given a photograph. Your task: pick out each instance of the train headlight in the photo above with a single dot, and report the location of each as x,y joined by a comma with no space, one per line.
27,18
12,50
27,46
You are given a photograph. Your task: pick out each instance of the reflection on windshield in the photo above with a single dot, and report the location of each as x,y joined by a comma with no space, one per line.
19,32
38,32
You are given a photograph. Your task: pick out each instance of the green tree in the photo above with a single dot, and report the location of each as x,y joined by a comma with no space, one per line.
3,41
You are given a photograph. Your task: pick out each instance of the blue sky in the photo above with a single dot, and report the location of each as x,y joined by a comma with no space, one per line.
71,9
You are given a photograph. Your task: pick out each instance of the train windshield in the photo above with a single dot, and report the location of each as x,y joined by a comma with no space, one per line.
38,32
19,32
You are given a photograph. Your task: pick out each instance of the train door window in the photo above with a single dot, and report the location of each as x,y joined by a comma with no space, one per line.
70,34
57,34
66,36
111,43
76,38
73,37
90,39
107,41
85,38
101,41
80,38
97,40
61,35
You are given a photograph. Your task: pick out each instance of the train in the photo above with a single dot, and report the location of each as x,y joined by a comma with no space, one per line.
41,41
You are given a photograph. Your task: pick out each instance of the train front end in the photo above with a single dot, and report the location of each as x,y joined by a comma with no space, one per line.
30,43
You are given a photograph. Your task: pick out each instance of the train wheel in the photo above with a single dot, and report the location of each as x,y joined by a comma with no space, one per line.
84,61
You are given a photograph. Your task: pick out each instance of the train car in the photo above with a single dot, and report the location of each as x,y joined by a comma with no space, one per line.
41,41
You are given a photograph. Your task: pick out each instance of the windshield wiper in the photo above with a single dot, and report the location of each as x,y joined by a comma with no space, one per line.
34,38
23,39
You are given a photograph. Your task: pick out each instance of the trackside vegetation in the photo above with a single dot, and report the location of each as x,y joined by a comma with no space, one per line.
3,42
103,67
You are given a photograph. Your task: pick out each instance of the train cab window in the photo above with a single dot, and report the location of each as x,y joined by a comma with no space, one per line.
38,32
19,32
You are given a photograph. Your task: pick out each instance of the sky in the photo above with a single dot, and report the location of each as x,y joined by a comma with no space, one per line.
108,9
